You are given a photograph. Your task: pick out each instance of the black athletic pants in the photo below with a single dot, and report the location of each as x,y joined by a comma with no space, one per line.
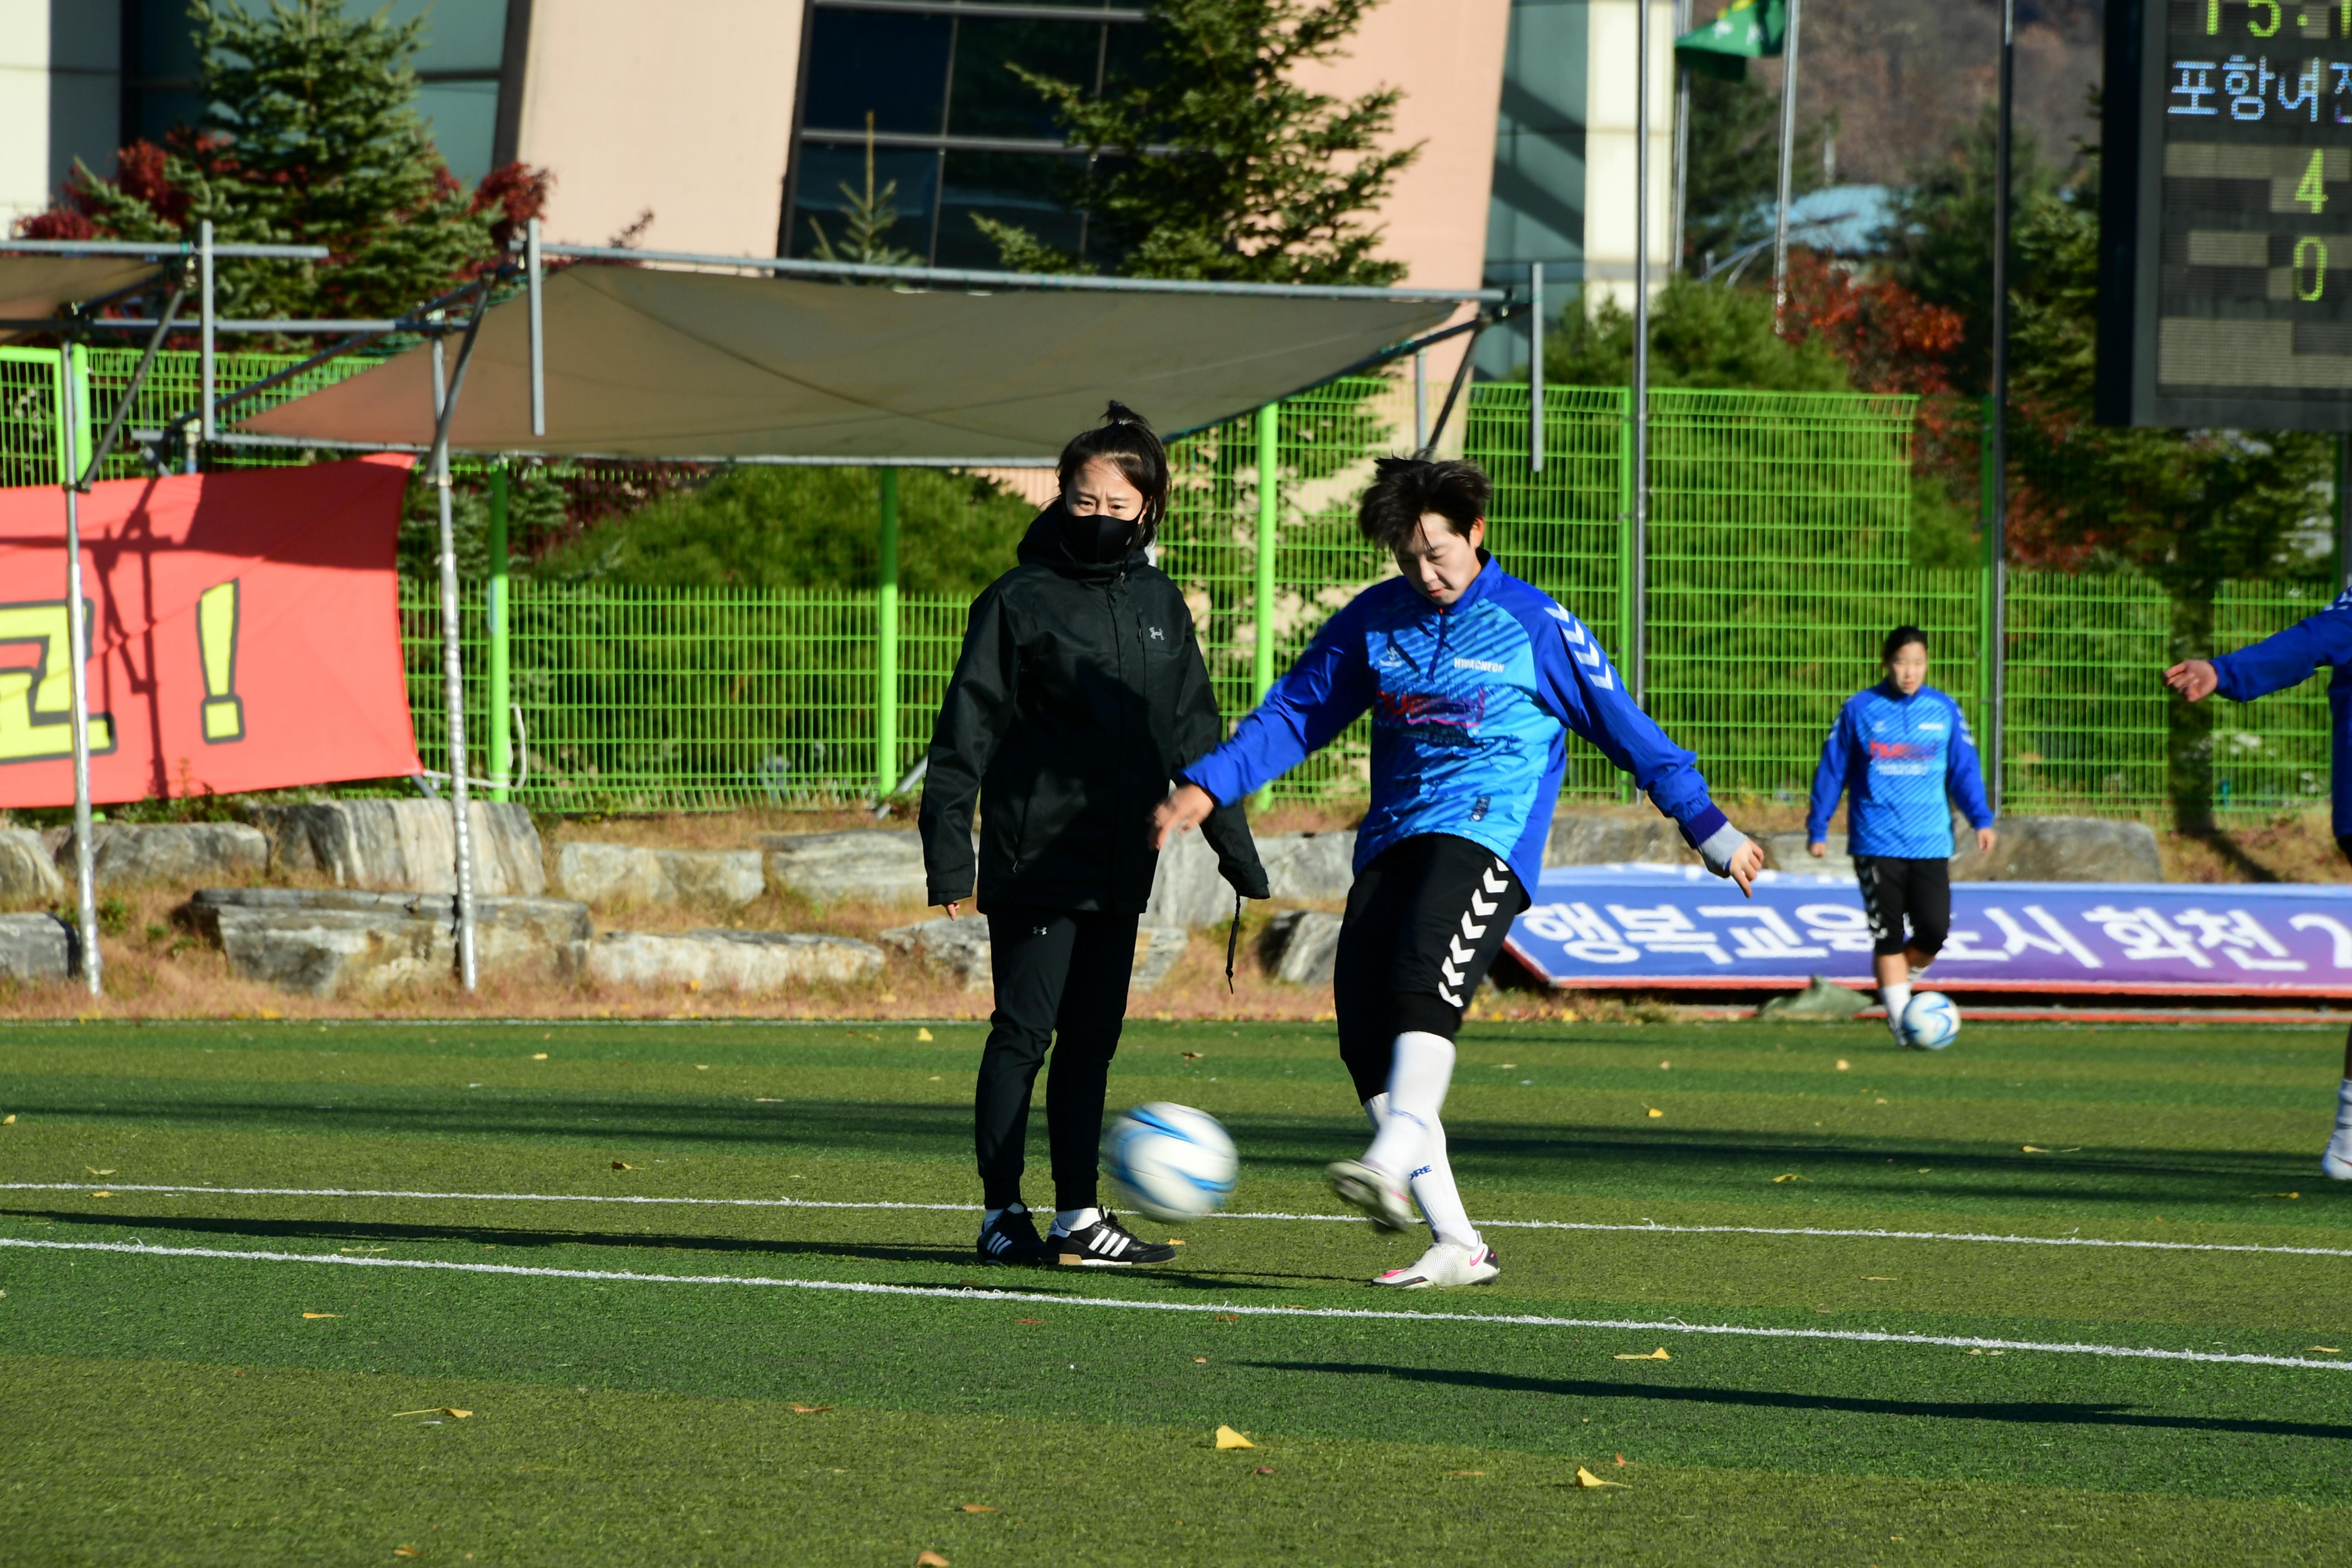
1424,922
1061,980
1893,886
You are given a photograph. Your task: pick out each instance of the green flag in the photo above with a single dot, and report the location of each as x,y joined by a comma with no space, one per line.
1747,30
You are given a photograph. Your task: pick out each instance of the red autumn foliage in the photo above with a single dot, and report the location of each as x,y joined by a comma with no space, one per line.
1891,339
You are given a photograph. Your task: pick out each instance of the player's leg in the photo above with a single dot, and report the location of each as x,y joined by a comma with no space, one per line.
1029,956
1882,885
1087,1026
2336,1158
1928,900
1379,904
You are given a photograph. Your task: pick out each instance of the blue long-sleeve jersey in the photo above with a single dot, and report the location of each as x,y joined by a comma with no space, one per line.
2287,659
1901,756
1471,708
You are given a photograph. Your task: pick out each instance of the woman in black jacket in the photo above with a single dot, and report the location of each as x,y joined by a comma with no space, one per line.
1079,693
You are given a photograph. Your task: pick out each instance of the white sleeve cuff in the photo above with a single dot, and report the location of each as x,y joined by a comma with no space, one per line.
1719,847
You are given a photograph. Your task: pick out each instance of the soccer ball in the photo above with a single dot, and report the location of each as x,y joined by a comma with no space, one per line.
1172,1161
1931,1022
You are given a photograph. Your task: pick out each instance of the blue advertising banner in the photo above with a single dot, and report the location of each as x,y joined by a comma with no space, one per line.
1670,927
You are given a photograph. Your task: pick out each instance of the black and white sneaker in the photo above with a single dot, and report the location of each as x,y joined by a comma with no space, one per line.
1012,1239
1105,1244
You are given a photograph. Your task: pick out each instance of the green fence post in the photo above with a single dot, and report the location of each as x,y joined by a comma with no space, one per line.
885,649
501,674
79,382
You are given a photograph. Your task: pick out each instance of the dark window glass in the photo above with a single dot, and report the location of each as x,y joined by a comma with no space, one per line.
1017,188
990,100
889,62
1127,59
826,170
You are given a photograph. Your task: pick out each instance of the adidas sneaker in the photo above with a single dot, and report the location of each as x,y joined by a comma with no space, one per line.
1012,1239
1105,1243
1445,1265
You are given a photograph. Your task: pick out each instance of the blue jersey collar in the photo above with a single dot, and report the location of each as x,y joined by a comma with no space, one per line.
1480,586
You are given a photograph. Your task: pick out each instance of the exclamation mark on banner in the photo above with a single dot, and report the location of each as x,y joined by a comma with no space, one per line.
216,636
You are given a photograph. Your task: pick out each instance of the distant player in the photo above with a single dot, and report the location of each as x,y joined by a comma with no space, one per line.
1473,680
1901,749
2272,665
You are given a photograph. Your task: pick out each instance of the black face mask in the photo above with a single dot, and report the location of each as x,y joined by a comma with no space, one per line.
1100,538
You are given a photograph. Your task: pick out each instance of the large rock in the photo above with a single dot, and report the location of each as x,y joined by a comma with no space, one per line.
882,865
1186,889
1301,946
1158,949
1788,852
35,948
2060,849
28,871
338,942
1584,836
959,946
129,854
744,961
1308,864
623,873
407,845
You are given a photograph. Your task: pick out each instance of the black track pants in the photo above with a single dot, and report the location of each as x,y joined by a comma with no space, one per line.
1061,981
1425,924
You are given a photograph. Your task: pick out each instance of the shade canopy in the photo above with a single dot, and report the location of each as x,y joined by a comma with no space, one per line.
33,287
649,364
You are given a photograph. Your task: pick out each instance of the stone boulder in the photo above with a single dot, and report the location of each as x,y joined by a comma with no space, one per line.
880,864
28,871
1590,835
1186,889
2060,849
1158,950
34,948
623,873
129,854
337,941
959,946
407,845
1301,946
742,961
1307,865
1786,852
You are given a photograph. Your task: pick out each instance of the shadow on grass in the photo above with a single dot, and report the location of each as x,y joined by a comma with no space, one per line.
2030,1413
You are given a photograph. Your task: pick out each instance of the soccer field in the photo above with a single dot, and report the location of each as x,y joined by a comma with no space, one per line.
706,1294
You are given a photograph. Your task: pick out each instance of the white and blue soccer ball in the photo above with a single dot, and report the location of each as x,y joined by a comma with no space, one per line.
1171,1162
1931,1022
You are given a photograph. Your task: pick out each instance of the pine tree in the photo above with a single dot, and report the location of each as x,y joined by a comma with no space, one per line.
867,217
1215,164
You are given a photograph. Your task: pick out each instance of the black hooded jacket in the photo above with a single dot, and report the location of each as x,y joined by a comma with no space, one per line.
1079,693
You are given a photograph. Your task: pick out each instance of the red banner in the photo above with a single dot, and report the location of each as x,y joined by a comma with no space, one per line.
245,634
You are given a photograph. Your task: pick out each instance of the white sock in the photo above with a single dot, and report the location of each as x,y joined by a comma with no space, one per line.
1440,1200
1066,1221
2342,1138
1896,998
1376,1111
1419,1073
990,1217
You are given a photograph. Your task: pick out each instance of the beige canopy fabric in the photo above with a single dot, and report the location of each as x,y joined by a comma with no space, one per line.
650,363
33,287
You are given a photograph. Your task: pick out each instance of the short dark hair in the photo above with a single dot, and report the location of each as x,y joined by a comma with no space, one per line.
1898,640
1126,440
1406,488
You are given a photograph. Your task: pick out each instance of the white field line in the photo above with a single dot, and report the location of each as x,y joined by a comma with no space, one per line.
1042,1298
1645,1228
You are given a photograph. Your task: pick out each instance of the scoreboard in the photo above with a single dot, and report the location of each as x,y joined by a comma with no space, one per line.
2225,243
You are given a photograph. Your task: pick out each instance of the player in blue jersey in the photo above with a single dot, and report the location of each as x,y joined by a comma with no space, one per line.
1473,680
2272,665
1899,749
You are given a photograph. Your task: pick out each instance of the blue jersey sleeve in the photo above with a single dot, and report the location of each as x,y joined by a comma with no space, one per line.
1963,778
1828,776
1327,691
2287,659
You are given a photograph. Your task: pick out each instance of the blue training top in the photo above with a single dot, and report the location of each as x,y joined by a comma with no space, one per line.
1901,755
2288,658
1471,706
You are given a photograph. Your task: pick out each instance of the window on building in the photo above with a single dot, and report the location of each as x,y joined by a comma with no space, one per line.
960,134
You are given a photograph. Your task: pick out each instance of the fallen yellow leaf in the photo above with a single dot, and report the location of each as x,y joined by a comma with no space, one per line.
930,1559
1585,1478
2328,1350
1655,1112
621,1165
539,1055
1229,1438
2278,1194
323,1314
1175,1241
102,1194
272,1014
2034,1149
1191,1055
809,1409
1465,1472
406,1551
1200,1361
429,1410
1882,1279
94,1171
975,1508
922,1034
9,1120
1658,1354
1791,1176
1844,1064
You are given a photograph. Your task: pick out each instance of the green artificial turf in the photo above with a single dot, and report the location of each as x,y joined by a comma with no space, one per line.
650,1421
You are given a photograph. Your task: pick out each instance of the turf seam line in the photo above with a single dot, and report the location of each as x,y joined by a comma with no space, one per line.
1303,1218
968,1293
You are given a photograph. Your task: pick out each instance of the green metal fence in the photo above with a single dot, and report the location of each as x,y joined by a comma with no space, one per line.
1778,558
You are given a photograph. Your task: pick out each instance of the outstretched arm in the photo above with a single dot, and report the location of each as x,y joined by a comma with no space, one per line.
1327,691
2273,664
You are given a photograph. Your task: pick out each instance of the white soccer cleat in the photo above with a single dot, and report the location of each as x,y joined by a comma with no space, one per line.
2336,1160
1382,1197
1446,1264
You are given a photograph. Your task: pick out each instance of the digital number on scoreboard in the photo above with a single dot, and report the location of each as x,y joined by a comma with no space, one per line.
2226,214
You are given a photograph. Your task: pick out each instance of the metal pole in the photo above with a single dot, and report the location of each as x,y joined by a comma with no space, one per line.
533,274
1535,367
453,663
1640,531
1788,164
501,667
206,369
78,654
1997,535
1420,399
886,659
1269,517
1682,140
